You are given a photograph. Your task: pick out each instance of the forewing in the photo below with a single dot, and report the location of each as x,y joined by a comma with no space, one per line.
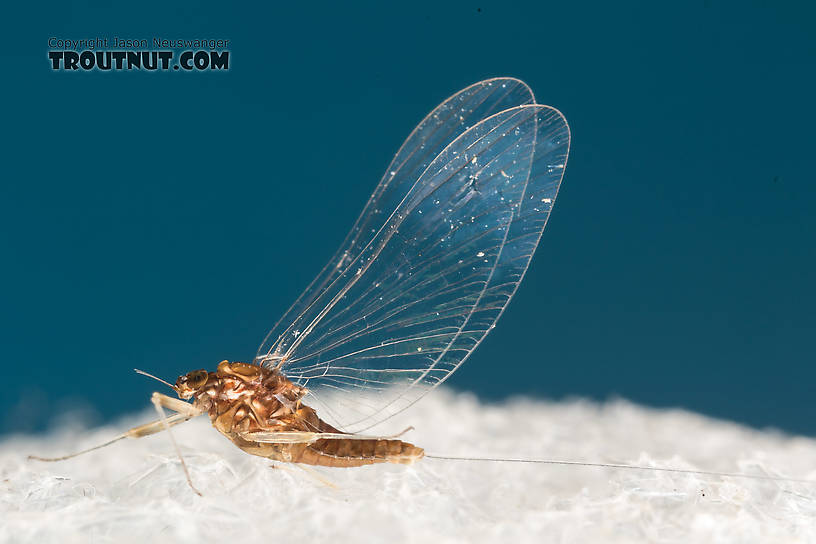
439,128
433,277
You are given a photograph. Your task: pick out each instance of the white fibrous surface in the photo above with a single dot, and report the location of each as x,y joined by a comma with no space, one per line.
135,491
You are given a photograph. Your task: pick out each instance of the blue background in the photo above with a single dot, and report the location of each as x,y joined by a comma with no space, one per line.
165,220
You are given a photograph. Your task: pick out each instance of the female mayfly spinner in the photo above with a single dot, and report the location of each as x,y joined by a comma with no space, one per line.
425,272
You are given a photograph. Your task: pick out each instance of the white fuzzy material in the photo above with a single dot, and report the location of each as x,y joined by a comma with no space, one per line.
134,491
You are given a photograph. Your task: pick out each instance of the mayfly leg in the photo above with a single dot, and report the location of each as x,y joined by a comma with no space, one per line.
402,432
160,402
136,432
184,412
310,472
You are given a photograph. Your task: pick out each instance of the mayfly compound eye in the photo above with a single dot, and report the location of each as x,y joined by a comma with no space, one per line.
197,378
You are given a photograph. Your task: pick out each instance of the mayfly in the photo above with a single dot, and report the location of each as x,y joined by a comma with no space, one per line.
430,265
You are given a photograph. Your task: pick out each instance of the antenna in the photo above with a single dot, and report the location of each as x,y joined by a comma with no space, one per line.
168,384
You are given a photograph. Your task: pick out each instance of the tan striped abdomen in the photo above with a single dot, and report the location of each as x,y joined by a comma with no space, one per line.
355,453
339,452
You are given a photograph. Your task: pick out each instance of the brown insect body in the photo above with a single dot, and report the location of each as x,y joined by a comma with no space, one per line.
414,288
242,399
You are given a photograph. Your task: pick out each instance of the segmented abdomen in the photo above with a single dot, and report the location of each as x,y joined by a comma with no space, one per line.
338,452
355,453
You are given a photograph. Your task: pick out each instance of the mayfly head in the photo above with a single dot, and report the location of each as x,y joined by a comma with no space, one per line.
187,385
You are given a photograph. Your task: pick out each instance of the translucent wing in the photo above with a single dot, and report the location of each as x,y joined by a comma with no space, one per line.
422,285
439,128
